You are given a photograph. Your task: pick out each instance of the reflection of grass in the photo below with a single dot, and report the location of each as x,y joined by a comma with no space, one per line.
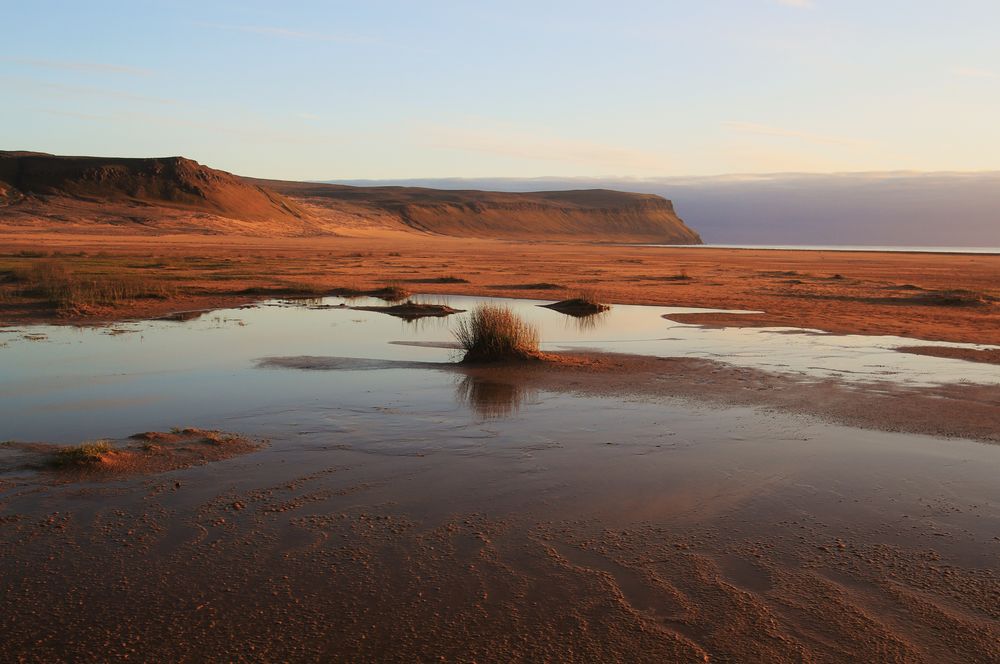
83,454
493,333
588,322
492,400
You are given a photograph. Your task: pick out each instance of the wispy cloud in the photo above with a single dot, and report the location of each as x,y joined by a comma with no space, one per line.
973,72
244,129
780,132
799,4
528,145
46,89
70,65
292,33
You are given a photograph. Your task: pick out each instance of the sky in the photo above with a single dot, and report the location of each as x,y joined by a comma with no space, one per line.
395,89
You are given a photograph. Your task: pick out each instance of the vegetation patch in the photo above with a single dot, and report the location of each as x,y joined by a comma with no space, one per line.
143,453
585,303
438,280
53,282
82,455
494,333
390,293
542,285
284,291
412,310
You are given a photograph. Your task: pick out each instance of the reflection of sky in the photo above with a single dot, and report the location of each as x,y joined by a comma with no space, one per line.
84,382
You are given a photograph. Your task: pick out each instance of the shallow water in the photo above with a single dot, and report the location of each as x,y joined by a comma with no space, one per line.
63,383
488,501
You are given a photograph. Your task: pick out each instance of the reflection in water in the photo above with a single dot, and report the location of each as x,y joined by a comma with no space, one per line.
207,371
490,399
586,322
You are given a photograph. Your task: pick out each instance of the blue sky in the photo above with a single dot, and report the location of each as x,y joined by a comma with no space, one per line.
380,89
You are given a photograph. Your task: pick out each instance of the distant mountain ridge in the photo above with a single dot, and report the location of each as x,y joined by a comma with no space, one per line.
178,195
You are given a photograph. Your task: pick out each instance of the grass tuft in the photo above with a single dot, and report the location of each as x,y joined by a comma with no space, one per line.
588,297
83,454
54,282
494,333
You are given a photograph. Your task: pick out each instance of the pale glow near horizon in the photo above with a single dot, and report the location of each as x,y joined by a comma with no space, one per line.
392,89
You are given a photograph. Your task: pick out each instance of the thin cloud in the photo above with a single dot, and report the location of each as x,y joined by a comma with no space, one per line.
291,33
94,67
40,88
973,72
254,132
526,145
780,132
798,4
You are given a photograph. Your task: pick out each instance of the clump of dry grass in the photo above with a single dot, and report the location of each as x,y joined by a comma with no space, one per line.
494,333
391,292
83,454
54,282
585,303
589,297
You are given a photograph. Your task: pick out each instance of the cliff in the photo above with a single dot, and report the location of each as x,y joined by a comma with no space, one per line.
588,215
177,195
170,182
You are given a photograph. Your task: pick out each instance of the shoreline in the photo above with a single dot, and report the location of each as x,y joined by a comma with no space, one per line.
933,297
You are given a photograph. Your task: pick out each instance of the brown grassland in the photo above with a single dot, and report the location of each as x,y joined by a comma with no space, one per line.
90,279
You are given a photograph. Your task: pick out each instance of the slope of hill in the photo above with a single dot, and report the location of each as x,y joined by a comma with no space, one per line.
176,195
133,188
587,214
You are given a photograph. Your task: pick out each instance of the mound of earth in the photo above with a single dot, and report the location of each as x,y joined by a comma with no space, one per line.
413,310
144,453
577,306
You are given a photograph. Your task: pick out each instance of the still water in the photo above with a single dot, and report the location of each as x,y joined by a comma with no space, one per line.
66,384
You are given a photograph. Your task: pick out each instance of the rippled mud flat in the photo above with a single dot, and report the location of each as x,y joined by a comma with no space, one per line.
405,513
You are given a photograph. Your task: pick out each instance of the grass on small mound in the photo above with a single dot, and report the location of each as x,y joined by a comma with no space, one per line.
586,303
83,454
494,333
589,297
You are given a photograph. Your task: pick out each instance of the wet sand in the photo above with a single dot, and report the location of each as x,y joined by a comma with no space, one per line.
901,294
578,529
594,508
970,354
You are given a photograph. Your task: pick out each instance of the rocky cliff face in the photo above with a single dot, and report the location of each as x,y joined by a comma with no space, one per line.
586,215
174,194
172,182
